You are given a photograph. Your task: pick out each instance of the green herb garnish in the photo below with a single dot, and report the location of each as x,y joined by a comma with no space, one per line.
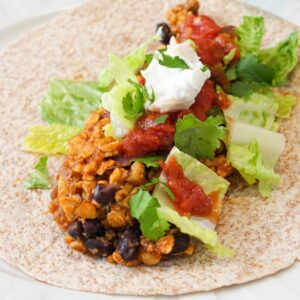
199,139
173,62
161,119
134,103
149,161
156,180
143,207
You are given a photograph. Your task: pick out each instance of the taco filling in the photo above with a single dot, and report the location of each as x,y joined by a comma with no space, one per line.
152,145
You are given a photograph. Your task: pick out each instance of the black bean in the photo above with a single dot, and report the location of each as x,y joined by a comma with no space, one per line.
105,193
122,161
75,230
99,246
128,245
181,242
166,32
92,228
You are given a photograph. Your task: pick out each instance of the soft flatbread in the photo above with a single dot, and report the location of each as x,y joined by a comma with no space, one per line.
264,232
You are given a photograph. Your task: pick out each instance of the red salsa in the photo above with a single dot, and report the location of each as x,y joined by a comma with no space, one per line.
189,196
204,100
212,44
148,137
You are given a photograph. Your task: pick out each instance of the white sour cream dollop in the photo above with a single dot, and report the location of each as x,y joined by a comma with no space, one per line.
175,88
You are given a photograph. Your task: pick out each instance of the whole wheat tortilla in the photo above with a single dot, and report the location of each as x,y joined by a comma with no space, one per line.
264,233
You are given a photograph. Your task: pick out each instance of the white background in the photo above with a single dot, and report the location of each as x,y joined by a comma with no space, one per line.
15,285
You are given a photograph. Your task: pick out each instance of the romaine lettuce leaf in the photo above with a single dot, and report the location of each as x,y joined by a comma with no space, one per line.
285,104
70,102
250,33
221,251
258,109
52,139
121,69
261,109
247,160
188,226
271,144
39,179
282,57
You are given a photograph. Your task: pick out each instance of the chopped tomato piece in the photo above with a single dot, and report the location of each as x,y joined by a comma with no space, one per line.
148,137
204,100
227,42
189,196
210,52
198,27
223,101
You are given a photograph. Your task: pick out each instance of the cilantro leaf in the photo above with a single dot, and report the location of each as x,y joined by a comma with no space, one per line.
149,161
134,103
39,179
161,119
251,70
204,68
149,58
156,180
143,207
251,75
199,139
244,88
173,62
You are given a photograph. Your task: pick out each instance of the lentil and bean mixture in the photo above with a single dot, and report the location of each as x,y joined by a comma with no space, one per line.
97,179
91,201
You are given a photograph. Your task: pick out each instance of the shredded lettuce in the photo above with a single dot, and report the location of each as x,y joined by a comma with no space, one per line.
261,109
221,251
247,160
271,144
250,33
70,102
189,226
285,104
52,139
282,57
39,179
120,69
113,102
258,109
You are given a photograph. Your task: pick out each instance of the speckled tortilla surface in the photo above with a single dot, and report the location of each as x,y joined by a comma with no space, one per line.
264,232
